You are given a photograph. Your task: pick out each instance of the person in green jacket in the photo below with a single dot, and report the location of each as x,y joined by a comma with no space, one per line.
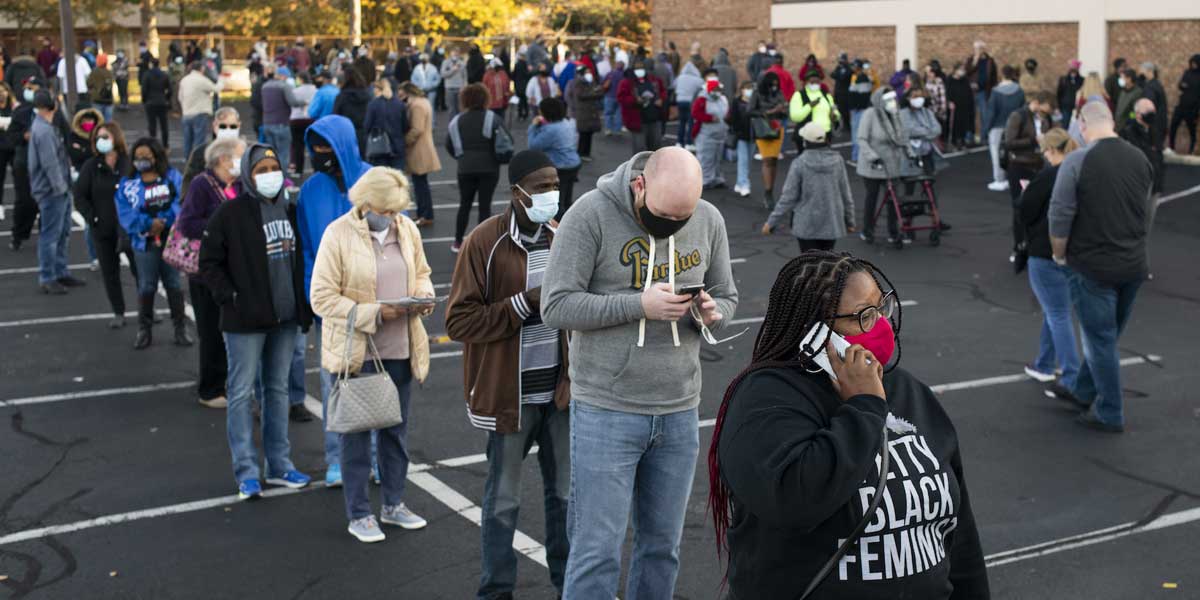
811,104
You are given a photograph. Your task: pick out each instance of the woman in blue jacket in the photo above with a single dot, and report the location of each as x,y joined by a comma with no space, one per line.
147,205
388,114
551,132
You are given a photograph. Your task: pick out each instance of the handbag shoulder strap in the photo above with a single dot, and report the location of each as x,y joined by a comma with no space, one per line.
345,372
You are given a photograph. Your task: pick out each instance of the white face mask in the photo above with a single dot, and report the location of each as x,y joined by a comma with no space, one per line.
291,81
890,105
227,133
747,94
813,87
1120,82
235,169
587,77
27,95
104,145
640,73
545,205
762,49
269,184
772,52
917,102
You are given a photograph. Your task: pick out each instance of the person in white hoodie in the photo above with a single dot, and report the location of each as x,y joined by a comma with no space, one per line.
454,74
687,85
708,112
426,77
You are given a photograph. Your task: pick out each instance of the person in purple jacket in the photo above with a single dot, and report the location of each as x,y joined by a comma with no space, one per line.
216,184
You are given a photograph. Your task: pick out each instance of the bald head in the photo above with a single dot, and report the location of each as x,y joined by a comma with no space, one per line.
1143,105
1096,121
673,183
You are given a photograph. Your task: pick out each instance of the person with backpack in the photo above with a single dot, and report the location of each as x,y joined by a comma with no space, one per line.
811,104
478,170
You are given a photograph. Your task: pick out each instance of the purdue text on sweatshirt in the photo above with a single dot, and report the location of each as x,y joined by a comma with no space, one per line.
802,467
593,286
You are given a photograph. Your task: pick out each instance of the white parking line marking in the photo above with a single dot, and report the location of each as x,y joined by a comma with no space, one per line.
72,319
29,270
1177,195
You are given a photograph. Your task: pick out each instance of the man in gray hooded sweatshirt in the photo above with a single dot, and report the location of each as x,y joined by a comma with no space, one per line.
621,254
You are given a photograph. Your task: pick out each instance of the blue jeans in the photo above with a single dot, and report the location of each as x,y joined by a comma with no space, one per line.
54,237
91,245
333,443
1103,310
248,353
196,129
612,114
1056,347
393,451
622,463
745,152
279,137
105,109
296,391
985,114
152,268
432,96
423,196
855,119
684,136
550,429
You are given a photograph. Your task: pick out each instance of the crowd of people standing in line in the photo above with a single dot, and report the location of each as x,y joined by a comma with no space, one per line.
266,259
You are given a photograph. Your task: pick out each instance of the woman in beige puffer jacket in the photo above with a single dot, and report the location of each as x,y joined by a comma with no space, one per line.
374,253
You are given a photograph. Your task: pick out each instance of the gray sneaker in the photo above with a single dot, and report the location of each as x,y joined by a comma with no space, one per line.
400,515
366,530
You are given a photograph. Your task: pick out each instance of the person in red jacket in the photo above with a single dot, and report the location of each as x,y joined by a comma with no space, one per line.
709,129
811,65
642,97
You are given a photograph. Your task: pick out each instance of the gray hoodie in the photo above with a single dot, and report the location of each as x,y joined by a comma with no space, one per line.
817,192
725,73
882,141
593,287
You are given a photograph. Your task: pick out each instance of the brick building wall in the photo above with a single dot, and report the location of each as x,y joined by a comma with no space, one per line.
1167,44
876,44
735,26
1051,44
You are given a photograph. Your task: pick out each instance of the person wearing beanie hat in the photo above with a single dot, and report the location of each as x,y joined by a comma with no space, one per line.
344,286
100,87
515,367
816,194
251,262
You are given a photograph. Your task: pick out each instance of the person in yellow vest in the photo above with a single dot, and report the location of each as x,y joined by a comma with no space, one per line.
811,104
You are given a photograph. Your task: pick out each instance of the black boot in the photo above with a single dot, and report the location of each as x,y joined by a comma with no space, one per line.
145,321
179,318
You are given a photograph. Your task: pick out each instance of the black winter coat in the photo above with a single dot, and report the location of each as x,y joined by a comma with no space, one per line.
233,263
352,104
95,193
1035,204
156,88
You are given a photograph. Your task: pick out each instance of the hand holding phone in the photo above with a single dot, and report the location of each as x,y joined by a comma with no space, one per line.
692,290
858,373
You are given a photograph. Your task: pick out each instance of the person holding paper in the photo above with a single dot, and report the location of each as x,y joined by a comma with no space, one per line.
342,281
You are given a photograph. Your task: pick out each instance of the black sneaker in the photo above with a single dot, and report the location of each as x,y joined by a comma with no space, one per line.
71,282
53,288
14,245
1091,421
298,414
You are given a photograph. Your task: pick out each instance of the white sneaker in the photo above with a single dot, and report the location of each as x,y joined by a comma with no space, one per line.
95,266
1038,375
366,530
690,148
218,402
757,156
401,516
998,186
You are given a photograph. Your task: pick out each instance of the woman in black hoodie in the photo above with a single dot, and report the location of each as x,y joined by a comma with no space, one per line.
352,103
795,461
1188,110
475,65
94,199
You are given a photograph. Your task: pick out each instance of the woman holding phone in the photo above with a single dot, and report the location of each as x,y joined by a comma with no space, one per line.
344,278
796,454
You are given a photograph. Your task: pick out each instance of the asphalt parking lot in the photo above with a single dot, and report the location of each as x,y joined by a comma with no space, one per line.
118,483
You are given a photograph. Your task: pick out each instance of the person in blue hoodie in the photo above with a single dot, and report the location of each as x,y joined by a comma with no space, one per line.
1005,99
147,204
323,198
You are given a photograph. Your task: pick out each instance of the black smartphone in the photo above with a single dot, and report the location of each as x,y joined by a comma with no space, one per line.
692,290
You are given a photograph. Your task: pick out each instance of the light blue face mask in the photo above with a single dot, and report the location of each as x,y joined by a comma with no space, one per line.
545,205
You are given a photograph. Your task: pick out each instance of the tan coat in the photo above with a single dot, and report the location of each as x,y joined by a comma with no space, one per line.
344,276
422,156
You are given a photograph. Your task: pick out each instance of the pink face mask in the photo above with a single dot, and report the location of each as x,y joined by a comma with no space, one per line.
230,193
87,126
880,340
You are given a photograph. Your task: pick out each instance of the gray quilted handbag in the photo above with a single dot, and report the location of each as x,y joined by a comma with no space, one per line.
364,402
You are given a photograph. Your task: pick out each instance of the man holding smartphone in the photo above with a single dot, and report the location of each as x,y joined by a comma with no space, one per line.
514,367
622,254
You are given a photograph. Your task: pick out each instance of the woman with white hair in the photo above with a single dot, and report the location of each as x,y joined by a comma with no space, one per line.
345,278
214,185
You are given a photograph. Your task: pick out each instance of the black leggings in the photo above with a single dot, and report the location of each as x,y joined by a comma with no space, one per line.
1189,118
6,159
585,143
25,209
156,116
471,185
213,363
873,187
110,246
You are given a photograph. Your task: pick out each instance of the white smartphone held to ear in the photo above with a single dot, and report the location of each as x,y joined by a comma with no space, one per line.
813,344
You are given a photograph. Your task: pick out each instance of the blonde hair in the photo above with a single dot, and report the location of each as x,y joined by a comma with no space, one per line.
381,189
383,88
1092,86
1059,140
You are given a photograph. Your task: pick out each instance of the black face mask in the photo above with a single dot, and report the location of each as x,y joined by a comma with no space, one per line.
324,162
657,226
1148,117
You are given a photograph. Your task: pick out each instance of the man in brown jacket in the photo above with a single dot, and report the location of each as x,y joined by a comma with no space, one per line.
515,367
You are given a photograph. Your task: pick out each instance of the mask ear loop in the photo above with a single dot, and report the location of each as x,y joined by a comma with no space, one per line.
706,333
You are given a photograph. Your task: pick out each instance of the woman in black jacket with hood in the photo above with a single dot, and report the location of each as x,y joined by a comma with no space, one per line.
800,461
250,260
1188,109
94,199
352,103
475,65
